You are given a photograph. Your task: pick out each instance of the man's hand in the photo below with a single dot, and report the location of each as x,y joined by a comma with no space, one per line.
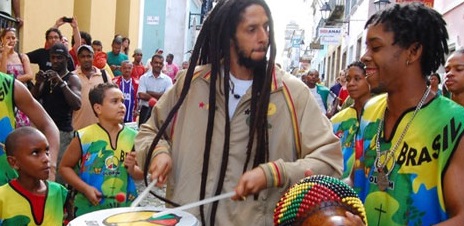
59,22
41,77
54,77
250,183
20,21
160,168
354,219
115,67
74,23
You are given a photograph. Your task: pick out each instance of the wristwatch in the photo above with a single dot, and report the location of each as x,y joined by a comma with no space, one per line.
63,84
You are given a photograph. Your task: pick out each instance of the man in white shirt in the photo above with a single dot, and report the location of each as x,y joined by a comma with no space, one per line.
322,94
152,85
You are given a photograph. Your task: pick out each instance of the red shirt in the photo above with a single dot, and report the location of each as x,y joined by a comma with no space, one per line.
137,71
343,94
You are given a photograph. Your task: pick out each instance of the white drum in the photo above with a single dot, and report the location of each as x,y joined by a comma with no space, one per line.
139,216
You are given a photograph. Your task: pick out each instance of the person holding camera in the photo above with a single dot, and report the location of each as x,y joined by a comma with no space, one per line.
53,35
59,92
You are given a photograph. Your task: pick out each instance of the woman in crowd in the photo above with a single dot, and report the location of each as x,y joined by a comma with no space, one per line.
435,80
16,64
125,45
346,122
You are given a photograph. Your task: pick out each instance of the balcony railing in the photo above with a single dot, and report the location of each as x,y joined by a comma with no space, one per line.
337,14
7,21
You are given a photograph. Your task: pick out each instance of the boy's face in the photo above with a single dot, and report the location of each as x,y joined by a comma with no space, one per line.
31,158
112,108
97,48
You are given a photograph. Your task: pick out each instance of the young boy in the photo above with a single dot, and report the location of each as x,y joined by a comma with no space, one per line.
30,199
94,163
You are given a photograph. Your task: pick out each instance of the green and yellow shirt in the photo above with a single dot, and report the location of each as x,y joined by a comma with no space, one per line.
102,166
414,195
7,124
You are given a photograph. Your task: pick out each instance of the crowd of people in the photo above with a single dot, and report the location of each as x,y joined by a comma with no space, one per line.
230,120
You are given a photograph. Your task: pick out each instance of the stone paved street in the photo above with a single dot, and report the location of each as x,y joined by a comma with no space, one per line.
150,200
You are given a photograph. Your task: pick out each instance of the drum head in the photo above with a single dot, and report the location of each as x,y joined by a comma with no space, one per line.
139,216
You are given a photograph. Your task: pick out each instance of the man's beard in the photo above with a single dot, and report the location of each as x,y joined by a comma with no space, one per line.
247,61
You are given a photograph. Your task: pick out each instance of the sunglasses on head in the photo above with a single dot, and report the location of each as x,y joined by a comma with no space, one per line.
9,29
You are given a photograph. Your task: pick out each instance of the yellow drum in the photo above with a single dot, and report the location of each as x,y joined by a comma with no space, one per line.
139,216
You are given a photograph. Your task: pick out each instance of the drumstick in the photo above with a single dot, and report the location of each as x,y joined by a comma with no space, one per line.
144,194
194,204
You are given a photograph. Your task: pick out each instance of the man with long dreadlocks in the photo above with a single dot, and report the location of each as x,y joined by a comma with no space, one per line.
236,123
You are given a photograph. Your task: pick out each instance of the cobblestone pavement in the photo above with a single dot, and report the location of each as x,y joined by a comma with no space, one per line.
150,200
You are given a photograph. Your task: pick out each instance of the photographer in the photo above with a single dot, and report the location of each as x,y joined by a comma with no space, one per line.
59,92
53,35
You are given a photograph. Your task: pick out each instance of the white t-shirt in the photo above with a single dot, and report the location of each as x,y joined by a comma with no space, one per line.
318,99
239,89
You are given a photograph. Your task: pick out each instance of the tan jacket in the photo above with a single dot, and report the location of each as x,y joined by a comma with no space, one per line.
319,148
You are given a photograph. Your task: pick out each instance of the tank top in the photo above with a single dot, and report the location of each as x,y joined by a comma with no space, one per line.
345,125
414,195
7,124
17,210
102,167
56,106
17,70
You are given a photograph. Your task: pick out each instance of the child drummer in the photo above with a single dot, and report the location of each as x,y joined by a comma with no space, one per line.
94,163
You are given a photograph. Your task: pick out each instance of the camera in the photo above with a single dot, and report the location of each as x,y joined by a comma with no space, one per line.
46,74
67,19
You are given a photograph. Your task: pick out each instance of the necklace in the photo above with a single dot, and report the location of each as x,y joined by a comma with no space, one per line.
389,155
232,89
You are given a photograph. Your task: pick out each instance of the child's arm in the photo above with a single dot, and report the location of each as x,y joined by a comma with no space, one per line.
132,168
70,159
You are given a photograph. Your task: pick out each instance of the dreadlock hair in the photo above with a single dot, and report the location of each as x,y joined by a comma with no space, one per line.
213,47
415,23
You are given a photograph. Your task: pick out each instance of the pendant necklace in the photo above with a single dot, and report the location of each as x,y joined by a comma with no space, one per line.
389,155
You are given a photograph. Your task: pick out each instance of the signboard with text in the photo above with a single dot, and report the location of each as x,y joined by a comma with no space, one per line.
428,3
330,35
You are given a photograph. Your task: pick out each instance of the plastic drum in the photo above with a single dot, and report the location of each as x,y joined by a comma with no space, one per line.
139,216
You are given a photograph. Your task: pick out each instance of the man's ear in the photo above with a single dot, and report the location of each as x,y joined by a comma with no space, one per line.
414,52
13,162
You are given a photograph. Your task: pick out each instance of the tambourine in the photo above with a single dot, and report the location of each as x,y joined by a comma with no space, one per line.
138,216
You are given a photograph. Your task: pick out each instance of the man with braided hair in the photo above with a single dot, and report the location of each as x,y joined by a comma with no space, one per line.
410,140
236,123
